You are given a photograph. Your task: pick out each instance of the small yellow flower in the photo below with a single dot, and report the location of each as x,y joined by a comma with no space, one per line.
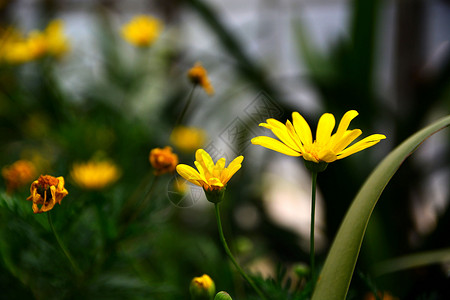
57,43
210,176
188,139
202,288
142,31
94,175
296,139
47,191
198,75
18,174
163,160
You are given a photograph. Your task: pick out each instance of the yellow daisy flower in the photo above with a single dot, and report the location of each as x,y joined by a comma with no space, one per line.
295,139
142,31
94,175
210,176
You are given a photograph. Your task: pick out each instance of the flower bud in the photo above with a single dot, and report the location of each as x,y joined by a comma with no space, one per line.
302,270
222,296
202,288
163,160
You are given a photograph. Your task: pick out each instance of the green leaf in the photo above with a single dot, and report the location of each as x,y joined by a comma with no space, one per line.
334,280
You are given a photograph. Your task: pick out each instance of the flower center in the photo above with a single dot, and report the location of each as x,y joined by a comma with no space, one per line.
314,149
44,183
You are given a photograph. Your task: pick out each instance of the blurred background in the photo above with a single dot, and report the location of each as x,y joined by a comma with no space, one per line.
99,97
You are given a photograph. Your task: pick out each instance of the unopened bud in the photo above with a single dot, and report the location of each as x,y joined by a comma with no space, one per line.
202,288
222,296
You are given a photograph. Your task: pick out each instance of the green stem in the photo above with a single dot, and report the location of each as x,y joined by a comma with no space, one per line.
61,245
313,214
186,106
233,260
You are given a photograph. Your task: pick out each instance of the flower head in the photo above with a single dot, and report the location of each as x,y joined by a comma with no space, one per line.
57,43
18,174
198,75
94,175
163,160
142,31
202,288
296,138
47,191
210,176
187,139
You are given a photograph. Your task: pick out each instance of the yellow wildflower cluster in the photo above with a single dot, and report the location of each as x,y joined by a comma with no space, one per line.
18,174
16,48
142,31
94,175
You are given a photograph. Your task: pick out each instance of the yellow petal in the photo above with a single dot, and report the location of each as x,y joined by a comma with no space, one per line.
302,128
361,145
327,155
281,132
345,140
294,136
324,128
218,168
215,182
234,166
274,144
205,160
344,123
189,173
204,174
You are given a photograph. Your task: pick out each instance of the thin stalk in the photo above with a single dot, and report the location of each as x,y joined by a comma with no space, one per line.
186,106
61,245
230,255
313,215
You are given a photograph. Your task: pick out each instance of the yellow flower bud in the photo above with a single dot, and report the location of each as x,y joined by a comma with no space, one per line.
202,288
163,160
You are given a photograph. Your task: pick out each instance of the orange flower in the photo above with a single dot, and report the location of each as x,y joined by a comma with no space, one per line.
163,160
382,296
18,174
198,75
47,191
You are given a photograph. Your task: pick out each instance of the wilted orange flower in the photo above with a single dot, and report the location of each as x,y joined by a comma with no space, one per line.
163,160
142,31
188,139
18,174
94,175
198,75
47,191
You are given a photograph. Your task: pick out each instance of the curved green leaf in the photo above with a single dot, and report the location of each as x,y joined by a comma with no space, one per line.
337,272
